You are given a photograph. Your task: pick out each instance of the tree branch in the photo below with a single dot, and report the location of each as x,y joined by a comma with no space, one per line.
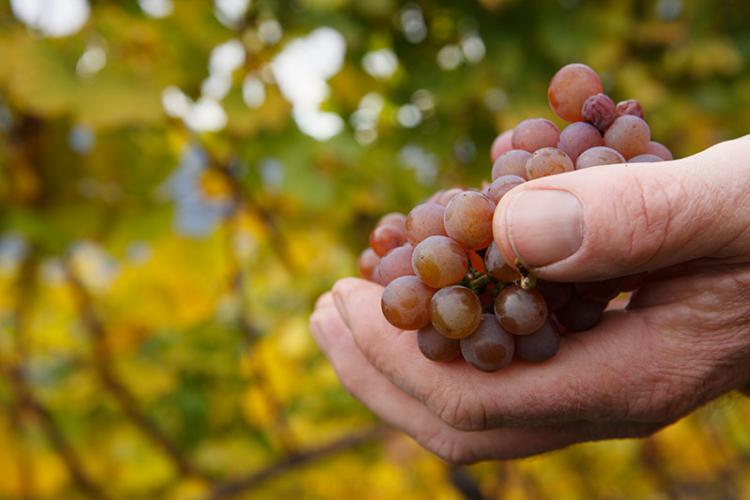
103,364
236,486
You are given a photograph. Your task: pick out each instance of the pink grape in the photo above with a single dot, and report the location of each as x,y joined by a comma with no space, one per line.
629,135
548,161
437,347
519,311
600,155
630,107
468,219
645,158
456,311
501,144
535,133
489,348
599,110
497,267
406,303
425,220
578,137
660,150
439,261
569,89
502,185
394,264
540,345
511,162
367,263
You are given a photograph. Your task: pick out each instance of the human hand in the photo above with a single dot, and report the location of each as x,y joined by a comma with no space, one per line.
683,340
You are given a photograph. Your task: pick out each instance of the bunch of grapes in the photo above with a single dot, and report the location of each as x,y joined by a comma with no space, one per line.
446,278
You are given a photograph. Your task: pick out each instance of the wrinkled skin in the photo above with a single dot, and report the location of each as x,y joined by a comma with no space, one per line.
682,340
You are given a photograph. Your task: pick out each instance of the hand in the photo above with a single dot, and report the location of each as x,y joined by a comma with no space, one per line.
683,340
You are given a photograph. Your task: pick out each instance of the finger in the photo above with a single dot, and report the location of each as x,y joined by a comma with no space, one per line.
392,405
576,385
623,219
324,300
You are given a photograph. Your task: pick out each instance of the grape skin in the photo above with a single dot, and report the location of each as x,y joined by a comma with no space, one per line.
501,144
394,264
489,348
519,311
406,303
437,347
548,161
540,345
425,220
367,263
497,267
456,311
645,158
386,237
535,133
569,89
599,110
512,162
468,219
501,186
630,107
394,219
600,155
577,138
445,197
580,313
629,135
439,261
660,150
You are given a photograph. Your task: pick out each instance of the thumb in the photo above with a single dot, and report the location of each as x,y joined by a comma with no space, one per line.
616,220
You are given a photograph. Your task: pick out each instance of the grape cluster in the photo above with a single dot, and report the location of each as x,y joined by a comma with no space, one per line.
446,278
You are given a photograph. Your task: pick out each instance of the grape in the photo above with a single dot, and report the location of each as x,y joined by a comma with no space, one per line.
555,294
645,158
535,133
437,347
511,162
520,311
489,348
540,345
501,144
600,155
394,219
394,264
386,237
578,137
367,262
548,161
439,261
446,196
629,135
629,107
497,267
424,220
569,89
502,185
406,303
660,150
580,313
456,311
468,219
600,291
599,110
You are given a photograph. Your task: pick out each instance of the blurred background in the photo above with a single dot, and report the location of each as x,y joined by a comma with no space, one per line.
180,179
